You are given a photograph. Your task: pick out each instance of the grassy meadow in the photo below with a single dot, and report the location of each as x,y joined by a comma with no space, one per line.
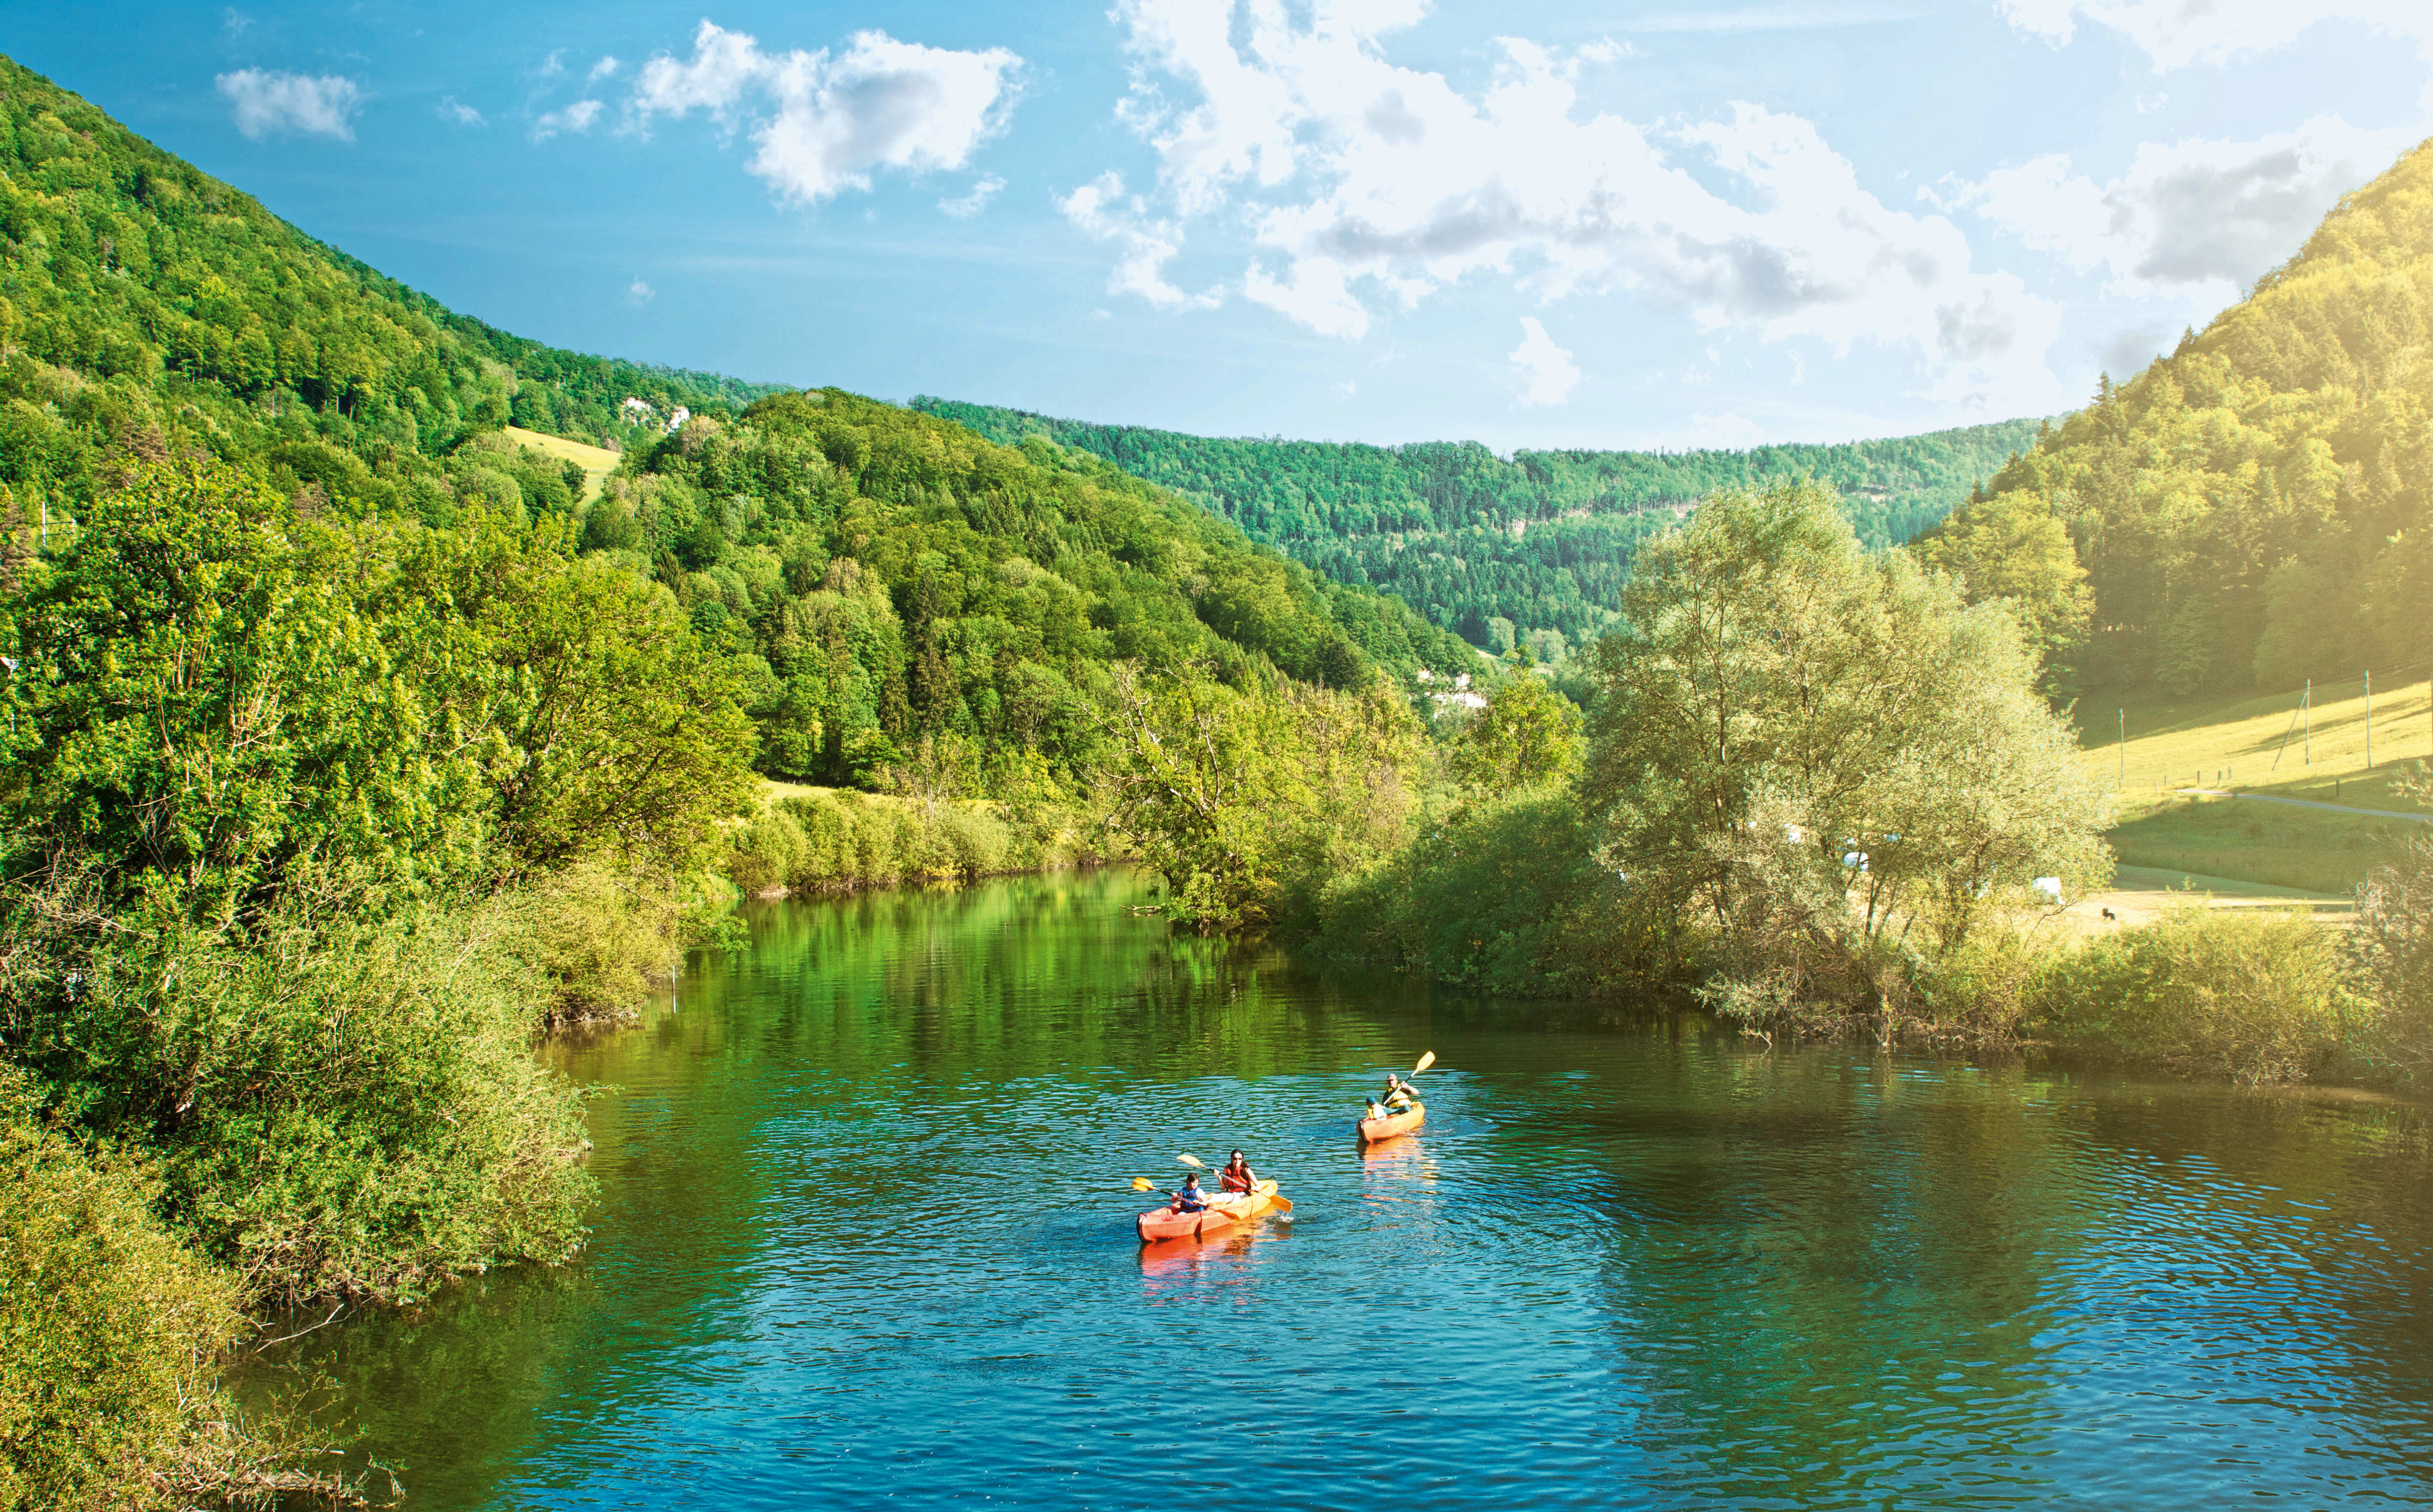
596,462
2231,744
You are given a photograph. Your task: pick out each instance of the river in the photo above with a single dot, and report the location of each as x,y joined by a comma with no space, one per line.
865,1237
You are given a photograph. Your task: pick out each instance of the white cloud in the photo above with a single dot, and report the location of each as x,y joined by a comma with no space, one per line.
553,64
1345,389
640,293
2178,33
451,108
975,200
1547,371
1101,208
2197,214
603,68
578,118
838,117
1367,184
268,102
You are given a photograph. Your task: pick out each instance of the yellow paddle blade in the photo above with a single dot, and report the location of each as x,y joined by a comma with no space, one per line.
1192,1161
1426,1061
1142,1183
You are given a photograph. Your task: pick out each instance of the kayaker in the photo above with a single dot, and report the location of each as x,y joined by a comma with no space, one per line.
1191,1199
1399,1093
1238,1175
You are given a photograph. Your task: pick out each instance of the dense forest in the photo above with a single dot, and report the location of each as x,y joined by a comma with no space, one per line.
1542,541
896,583
2253,509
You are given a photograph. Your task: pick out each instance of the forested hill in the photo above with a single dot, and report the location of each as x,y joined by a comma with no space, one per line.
1542,540
138,274
2252,510
886,579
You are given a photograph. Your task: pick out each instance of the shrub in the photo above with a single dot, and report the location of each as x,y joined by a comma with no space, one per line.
1503,895
110,1336
598,936
839,841
2393,946
2211,992
336,1108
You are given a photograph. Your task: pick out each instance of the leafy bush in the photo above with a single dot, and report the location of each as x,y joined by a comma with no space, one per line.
842,842
110,1336
336,1108
1503,895
1250,802
2208,992
2393,949
599,936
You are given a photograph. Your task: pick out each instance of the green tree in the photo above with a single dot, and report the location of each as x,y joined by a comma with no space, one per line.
2010,549
1810,762
1249,802
1528,734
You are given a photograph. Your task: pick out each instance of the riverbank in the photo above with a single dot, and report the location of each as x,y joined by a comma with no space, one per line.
1777,1260
811,841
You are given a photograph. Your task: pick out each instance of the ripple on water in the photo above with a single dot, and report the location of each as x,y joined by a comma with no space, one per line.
865,1237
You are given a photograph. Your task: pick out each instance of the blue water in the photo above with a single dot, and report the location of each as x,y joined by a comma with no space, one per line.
865,1239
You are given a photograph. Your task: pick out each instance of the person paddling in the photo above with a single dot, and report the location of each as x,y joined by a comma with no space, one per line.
1237,1175
1191,1199
1399,1093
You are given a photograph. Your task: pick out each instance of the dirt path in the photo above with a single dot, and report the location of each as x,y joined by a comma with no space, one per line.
2305,803
2139,895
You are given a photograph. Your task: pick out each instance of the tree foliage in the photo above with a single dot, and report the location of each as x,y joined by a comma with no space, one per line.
1542,539
1249,802
897,580
1528,734
2252,509
214,697
2393,946
1810,761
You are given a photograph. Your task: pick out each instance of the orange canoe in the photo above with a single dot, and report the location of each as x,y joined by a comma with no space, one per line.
1222,1213
1392,1124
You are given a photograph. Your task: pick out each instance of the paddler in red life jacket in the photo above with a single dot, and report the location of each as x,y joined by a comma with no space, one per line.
1237,1175
1191,1199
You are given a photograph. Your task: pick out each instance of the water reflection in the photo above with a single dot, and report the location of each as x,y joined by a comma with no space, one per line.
867,1236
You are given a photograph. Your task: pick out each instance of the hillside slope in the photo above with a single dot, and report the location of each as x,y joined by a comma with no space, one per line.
1542,540
887,576
2251,511
137,292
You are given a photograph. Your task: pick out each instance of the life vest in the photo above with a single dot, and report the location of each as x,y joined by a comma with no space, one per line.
1233,1181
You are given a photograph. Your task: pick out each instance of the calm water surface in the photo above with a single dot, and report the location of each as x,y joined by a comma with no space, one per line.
865,1238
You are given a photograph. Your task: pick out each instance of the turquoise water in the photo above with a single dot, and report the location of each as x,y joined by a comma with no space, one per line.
865,1239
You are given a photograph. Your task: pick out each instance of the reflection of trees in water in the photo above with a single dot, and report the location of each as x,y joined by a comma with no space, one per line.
1835,1283
512,1342
899,1124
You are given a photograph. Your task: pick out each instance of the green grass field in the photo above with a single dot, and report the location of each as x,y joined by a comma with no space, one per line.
2251,745
596,462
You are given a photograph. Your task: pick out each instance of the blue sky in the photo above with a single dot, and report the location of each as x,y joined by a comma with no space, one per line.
1588,223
